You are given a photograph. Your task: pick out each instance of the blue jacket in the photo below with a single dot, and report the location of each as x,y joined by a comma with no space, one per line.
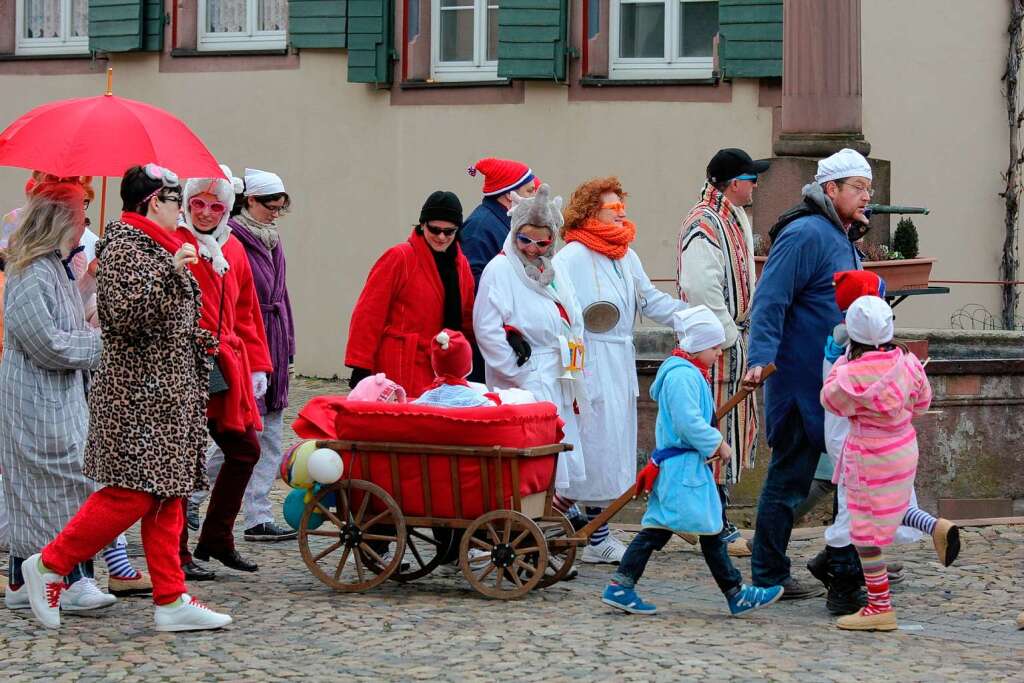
794,312
483,234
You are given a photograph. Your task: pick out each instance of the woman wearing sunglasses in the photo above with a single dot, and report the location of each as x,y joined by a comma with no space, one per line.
147,428
529,324
254,223
607,274
416,289
231,312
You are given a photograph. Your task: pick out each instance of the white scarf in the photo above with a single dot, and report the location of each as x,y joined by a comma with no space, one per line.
210,243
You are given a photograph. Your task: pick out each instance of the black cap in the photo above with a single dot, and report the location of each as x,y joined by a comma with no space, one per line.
442,206
731,162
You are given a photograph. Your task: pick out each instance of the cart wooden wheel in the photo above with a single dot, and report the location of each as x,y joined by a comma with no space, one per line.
336,552
516,554
561,558
423,553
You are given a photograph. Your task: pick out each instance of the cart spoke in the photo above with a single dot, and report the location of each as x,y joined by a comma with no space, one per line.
342,503
359,566
493,533
506,533
319,532
362,508
365,547
501,577
330,549
380,537
374,520
483,545
423,537
330,515
486,572
526,567
520,537
515,578
415,552
527,551
341,563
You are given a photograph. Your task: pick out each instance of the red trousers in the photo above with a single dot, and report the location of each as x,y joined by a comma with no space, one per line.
109,512
241,452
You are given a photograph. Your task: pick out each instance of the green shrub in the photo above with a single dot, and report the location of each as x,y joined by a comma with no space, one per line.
905,239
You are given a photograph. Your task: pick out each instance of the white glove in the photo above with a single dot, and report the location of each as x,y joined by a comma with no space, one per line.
259,384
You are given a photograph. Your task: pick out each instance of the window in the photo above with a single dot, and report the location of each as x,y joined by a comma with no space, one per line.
52,27
662,38
464,40
243,24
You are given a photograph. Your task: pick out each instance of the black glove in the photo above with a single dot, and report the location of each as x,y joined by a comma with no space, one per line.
358,374
519,345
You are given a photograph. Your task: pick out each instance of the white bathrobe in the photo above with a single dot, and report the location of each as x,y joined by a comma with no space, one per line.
608,429
506,296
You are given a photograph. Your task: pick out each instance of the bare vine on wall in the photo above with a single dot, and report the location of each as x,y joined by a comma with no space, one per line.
1011,195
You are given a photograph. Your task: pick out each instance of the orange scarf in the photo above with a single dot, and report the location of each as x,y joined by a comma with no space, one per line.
604,238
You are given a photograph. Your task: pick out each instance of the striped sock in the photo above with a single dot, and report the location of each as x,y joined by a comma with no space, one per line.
602,531
118,564
916,518
561,504
876,579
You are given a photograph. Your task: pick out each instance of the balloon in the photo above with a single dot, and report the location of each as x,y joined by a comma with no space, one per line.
325,466
295,505
294,465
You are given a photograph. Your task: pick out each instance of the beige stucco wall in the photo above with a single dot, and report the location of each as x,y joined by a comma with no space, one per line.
358,168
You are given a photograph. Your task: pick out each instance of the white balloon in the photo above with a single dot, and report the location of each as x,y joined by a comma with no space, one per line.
325,466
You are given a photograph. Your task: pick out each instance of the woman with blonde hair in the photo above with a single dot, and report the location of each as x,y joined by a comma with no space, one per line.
612,288
49,349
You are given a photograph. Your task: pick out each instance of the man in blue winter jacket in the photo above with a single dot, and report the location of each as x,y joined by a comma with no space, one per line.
794,311
484,232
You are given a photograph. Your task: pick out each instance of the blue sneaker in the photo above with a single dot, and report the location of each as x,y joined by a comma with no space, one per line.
626,600
750,598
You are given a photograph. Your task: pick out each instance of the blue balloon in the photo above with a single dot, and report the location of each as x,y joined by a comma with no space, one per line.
295,505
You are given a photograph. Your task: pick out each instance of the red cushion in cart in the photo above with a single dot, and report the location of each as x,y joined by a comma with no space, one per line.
514,426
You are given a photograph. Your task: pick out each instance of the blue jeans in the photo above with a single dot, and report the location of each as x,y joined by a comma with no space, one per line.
15,577
790,472
716,554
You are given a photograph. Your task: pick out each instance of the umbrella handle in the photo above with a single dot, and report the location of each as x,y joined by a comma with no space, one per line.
103,206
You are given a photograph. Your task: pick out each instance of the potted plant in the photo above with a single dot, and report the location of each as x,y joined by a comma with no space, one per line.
899,265
761,247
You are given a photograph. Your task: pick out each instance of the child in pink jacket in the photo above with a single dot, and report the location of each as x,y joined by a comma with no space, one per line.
880,386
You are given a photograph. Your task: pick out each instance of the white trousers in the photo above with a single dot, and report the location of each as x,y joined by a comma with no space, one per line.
256,506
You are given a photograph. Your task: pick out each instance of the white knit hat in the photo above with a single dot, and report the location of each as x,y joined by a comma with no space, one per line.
699,329
846,163
224,189
869,321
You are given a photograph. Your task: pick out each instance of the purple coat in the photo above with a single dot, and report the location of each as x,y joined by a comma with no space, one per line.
268,274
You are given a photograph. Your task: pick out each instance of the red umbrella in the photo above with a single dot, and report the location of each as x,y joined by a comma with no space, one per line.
103,136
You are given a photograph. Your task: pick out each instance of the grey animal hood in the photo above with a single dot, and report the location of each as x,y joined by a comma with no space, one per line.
537,210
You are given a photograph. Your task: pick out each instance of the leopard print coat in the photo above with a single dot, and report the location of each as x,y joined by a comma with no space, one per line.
147,406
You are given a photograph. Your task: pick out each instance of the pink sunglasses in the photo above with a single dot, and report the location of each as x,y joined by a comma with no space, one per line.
197,204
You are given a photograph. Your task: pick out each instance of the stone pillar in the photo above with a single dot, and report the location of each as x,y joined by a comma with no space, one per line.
821,107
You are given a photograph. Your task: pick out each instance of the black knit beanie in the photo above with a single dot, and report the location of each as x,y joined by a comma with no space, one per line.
442,206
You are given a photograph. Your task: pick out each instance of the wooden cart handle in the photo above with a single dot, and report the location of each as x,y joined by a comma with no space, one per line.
631,493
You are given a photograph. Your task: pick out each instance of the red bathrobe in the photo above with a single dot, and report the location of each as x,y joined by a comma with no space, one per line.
243,341
399,312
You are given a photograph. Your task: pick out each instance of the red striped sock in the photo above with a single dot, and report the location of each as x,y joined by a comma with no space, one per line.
877,581
561,504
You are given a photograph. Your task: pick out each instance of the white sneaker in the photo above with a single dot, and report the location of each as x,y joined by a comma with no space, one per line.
43,591
390,554
478,559
16,599
190,615
555,563
85,595
608,551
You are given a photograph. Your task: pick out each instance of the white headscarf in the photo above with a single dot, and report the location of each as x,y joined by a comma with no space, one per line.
261,183
210,242
699,329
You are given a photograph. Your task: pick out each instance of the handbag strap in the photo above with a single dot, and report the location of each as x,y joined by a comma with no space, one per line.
220,310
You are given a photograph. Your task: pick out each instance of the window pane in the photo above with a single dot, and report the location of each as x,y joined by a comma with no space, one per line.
642,30
492,32
79,18
272,15
456,33
225,16
698,24
42,18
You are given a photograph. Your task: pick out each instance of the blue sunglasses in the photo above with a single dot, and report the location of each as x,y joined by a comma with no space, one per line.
747,176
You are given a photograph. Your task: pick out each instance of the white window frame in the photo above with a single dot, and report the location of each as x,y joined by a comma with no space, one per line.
670,66
48,46
480,68
250,39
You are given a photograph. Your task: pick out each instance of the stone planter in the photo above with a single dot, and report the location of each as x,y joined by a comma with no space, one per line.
902,274
759,262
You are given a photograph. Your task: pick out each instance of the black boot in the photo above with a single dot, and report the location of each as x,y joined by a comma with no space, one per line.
818,567
845,596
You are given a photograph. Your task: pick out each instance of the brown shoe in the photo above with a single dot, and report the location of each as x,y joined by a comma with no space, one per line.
883,621
122,587
740,548
689,538
946,537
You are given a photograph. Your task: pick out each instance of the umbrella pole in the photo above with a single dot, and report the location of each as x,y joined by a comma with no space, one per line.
103,206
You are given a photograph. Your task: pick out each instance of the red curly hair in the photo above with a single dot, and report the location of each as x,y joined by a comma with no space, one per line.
585,201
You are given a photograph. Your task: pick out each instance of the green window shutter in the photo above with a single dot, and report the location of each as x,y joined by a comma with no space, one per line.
153,25
317,23
370,41
115,25
532,39
750,38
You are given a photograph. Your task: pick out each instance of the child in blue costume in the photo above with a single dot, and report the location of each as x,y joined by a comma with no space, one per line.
683,496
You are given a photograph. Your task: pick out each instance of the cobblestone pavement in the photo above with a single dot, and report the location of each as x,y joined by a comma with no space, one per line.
956,624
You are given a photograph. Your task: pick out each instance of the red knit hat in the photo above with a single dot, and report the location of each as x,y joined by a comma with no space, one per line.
502,175
451,355
852,284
